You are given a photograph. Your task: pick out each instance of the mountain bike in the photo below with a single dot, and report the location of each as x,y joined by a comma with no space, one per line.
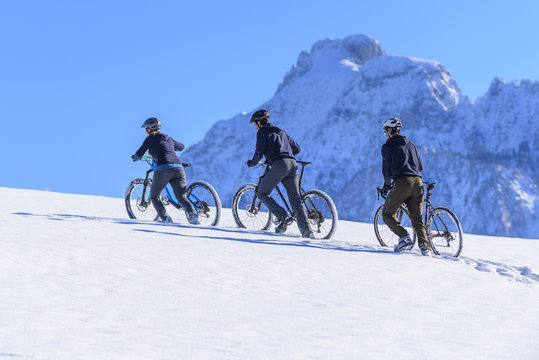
200,193
444,231
250,213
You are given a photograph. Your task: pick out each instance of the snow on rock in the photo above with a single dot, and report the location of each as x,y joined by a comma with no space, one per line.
333,102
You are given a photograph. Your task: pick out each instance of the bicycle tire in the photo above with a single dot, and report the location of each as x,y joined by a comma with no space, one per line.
384,235
244,216
321,213
138,208
444,232
206,202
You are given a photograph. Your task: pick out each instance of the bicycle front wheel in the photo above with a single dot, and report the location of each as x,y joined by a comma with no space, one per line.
206,202
321,213
384,235
249,212
444,232
137,206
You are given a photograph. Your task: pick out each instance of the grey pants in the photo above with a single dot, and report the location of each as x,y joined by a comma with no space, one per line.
176,178
285,171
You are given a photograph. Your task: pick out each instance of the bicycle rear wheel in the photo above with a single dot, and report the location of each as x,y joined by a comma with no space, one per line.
138,207
206,202
247,216
321,213
384,235
444,232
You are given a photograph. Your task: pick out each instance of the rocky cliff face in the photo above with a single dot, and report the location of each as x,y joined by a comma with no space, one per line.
333,101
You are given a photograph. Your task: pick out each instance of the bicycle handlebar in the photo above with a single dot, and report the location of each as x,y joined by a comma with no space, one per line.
428,184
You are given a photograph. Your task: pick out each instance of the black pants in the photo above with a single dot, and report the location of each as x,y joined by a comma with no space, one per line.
176,178
285,171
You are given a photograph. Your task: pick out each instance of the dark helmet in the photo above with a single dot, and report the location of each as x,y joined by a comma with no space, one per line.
392,122
152,123
261,116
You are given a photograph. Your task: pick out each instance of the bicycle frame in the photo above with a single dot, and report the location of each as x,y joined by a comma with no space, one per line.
255,208
171,199
429,208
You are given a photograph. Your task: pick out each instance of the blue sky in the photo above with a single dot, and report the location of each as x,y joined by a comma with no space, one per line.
77,78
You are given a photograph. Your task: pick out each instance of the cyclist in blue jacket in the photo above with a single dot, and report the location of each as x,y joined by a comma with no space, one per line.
402,164
280,151
169,169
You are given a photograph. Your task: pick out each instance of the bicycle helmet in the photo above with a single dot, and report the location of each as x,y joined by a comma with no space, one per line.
152,123
392,122
261,116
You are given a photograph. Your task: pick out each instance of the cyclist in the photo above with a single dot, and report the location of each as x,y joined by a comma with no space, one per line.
402,163
169,169
279,150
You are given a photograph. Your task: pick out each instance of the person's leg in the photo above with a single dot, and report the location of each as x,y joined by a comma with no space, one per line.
291,185
268,182
159,181
415,207
178,183
395,198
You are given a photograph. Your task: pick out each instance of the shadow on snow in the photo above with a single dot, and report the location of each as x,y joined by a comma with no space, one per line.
517,273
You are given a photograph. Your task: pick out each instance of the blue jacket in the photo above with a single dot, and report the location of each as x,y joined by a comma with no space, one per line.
274,144
400,158
162,148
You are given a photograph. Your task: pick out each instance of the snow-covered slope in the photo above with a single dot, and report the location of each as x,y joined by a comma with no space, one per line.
80,280
333,100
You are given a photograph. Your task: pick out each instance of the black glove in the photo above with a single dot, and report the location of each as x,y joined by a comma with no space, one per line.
385,189
250,163
135,157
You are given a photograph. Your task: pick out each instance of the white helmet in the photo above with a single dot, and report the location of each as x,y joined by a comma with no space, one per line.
392,122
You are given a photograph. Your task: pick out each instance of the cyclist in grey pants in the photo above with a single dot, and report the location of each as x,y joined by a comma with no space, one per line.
279,150
168,169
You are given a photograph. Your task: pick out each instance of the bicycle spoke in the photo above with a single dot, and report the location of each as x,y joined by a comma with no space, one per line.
247,215
138,207
444,232
206,203
321,214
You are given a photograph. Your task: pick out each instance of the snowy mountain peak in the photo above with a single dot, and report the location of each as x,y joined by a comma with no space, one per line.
330,55
332,102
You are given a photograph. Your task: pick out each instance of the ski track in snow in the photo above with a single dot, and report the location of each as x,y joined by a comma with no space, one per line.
522,274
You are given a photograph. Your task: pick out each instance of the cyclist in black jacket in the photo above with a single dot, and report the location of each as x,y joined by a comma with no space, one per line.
402,163
280,151
169,169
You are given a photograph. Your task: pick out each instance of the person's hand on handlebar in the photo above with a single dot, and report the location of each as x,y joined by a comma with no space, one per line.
385,189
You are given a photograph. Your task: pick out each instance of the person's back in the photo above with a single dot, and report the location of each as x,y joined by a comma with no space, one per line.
169,169
401,158
402,164
279,150
162,148
274,143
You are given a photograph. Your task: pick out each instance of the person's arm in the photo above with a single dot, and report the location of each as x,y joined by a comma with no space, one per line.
386,165
143,148
260,148
419,159
294,145
178,146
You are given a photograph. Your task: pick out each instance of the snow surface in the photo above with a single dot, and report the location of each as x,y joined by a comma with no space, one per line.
79,280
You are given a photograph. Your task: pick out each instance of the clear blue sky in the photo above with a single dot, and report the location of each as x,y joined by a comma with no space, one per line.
77,78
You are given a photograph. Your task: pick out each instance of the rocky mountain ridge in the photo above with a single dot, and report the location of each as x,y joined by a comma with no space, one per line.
333,100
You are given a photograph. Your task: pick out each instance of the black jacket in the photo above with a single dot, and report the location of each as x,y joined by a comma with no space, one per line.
162,149
274,144
400,158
